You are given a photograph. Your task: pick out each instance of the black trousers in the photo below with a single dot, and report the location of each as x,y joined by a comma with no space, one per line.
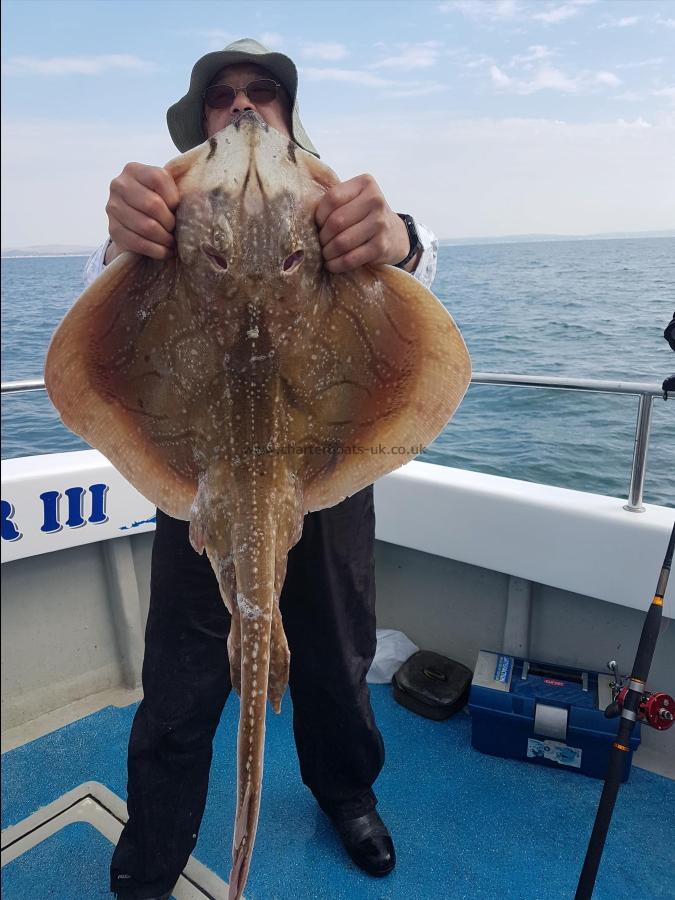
328,610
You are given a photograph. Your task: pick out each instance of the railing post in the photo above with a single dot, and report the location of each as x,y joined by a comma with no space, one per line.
637,475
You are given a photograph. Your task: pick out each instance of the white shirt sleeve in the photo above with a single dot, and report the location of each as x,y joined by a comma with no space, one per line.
95,265
426,267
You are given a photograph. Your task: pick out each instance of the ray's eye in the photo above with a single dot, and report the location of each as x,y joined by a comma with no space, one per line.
214,256
292,262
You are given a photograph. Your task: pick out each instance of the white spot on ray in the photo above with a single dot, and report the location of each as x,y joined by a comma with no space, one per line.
247,609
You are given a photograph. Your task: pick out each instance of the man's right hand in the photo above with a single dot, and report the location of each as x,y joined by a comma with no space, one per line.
140,212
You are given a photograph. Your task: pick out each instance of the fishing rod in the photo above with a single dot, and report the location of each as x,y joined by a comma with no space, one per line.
633,703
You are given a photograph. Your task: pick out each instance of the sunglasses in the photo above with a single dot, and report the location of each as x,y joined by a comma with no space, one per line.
262,90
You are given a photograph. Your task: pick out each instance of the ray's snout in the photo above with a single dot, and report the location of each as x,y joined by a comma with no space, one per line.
250,118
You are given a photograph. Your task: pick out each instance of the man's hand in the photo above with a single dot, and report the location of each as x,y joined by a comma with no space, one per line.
140,212
357,226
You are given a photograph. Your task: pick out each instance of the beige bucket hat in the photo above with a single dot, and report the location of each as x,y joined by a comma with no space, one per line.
184,118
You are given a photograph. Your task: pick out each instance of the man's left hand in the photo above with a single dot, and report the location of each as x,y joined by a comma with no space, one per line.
357,226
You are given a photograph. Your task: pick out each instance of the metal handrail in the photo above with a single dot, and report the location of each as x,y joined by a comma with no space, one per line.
570,384
643,390
15,387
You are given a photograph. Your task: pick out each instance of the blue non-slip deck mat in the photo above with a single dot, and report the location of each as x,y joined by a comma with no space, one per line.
70,865
465,825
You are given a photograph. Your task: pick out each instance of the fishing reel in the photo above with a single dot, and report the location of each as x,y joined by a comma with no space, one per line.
656,708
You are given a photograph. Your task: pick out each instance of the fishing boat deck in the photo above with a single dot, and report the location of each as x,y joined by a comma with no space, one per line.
464,560
465,825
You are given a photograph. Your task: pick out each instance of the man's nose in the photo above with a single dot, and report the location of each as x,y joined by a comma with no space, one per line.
241,102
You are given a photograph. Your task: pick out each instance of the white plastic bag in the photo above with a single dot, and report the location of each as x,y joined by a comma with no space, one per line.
393,649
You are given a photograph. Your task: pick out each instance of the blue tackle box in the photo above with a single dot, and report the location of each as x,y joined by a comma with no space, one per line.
545,714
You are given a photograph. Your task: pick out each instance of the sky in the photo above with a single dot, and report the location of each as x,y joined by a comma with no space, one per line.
478,117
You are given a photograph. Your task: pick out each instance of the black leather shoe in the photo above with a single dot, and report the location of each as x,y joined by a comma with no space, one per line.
368,842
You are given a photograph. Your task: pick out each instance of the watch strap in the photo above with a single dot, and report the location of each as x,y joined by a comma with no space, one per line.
413,237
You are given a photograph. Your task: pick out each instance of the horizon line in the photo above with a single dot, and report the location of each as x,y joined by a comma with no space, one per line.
542,236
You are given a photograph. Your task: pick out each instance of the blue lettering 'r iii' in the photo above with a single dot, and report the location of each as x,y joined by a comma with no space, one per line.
51,521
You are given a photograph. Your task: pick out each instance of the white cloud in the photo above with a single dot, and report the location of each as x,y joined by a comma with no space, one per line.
557,14
550,78
502,11
669,23
493,11
39,208
630,96
272,40
500,79
640,64
361,78
216,39
326,51
636,123
412,56
219,38
478,62
624,22
535,53
547,78
479,177
667,92
352,76
74,65
607,78
417,89
512,176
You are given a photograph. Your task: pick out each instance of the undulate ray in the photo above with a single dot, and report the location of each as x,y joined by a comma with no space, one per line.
240,385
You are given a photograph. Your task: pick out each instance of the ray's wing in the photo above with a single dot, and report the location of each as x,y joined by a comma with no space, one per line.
113,373
373,383
121,370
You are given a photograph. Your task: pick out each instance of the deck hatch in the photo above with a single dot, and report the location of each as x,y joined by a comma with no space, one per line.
94,804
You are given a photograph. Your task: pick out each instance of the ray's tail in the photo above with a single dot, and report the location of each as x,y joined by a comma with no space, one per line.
257,608
248,551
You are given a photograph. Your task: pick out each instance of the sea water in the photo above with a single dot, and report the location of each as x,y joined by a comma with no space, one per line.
578,308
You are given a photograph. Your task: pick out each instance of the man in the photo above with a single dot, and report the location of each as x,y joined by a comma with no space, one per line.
328,599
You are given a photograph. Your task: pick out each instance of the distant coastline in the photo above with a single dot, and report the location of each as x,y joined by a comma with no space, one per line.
46,250
44,255
544,238
59,250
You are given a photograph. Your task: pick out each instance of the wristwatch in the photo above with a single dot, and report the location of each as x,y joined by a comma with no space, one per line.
413,236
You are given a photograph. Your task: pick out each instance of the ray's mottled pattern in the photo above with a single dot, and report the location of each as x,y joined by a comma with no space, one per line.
240,385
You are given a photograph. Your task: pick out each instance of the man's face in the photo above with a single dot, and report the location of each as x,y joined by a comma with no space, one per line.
276,114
